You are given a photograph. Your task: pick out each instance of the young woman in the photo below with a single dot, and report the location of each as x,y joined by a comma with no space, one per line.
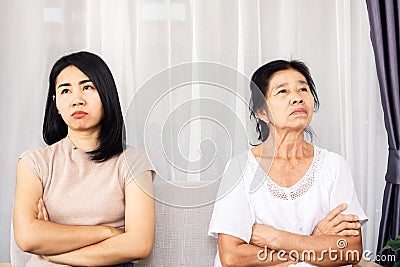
286,195
86,199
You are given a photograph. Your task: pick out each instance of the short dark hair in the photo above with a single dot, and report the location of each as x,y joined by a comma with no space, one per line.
112,125
259,84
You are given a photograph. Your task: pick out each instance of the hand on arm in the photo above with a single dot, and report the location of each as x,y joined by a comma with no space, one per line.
135,243
335,225
42,211
43,237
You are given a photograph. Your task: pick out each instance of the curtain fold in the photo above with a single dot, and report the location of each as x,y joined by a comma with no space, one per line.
385,37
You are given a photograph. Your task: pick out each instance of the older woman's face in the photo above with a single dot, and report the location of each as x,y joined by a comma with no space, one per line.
289,99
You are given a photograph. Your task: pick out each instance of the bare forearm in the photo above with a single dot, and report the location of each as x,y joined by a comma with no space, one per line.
251,255
47,238
326,250
264,256
115,250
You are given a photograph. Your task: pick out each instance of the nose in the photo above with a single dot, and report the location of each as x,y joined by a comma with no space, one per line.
296,99
78,100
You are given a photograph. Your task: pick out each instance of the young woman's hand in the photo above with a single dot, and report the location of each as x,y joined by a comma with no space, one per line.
42,211
42,214
336,223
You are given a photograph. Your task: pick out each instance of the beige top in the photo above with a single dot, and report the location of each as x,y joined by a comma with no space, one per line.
79,191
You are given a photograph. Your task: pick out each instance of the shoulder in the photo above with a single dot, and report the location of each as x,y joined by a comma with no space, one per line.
39,160
134,150
132,154
333,159
44,153
133,162
240,160
332,163
239,169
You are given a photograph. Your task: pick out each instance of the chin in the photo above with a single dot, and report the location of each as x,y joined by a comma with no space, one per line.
82,127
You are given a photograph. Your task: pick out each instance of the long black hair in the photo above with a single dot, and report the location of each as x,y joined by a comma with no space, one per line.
259,85
112,125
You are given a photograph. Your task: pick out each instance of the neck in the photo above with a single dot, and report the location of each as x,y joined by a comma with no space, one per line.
87,140
287,144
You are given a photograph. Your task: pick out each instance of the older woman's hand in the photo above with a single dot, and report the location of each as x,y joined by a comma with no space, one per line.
336,223
264,235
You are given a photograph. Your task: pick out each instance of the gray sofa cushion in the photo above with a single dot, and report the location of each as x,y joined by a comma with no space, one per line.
181,236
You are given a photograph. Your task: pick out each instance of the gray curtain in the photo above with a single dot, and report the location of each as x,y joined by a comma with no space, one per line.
385,37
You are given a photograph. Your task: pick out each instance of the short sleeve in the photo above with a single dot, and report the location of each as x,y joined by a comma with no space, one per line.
137,163
37,163
232,212
343,191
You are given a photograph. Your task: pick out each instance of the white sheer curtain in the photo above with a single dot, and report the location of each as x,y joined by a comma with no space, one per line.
138,39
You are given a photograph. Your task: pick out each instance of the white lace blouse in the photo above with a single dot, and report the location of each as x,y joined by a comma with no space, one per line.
247,196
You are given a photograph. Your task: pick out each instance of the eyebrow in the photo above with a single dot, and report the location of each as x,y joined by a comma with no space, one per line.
285,84
280,86
68,84
302,82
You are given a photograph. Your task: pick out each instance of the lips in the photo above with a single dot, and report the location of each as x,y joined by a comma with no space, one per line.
298,111
79,114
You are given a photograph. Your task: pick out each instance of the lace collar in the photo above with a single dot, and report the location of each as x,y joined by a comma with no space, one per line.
296,190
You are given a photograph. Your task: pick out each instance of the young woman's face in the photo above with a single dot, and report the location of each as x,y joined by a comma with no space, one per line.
77,100
289,100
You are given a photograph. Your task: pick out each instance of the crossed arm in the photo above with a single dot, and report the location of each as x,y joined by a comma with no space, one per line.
235,252
83,245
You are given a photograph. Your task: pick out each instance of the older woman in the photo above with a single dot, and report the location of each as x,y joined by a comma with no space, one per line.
286,201
85,200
